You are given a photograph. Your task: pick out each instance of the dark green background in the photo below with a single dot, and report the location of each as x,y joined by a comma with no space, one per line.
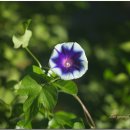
101,28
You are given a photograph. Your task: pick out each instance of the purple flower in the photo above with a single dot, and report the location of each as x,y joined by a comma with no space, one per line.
68,60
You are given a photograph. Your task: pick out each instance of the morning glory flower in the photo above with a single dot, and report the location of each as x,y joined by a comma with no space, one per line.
68,61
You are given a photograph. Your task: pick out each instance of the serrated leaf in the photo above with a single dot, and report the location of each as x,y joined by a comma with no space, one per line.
48,97
29,86
22,40
68,87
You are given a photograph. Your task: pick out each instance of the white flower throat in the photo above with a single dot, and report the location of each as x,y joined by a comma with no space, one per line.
67,62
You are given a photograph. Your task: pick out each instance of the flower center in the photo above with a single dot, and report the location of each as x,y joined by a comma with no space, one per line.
67,62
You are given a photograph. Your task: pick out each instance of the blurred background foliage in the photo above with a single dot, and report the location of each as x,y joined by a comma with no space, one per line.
101,28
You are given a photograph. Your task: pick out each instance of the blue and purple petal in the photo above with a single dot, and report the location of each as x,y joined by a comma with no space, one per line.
68,60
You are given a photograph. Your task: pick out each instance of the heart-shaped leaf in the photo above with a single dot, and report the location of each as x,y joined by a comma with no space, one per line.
22,40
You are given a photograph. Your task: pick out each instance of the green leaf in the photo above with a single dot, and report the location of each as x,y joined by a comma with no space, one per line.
128,67
22,40
30,108
78,125
10,84
22,125
121,78
63,119
16,111
26,24
125,46
3,105
68,87
108,74
37,70
27,104
29,86
38,74
36,96
48,97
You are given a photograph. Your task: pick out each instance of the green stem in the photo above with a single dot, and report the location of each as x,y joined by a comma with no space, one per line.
52,81
39,64
87,115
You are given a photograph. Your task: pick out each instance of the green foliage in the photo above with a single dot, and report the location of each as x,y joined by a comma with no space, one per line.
68,87
37,70
125,46
119,78
29,87
44,96
22,125
63,119
48,97
23,40
105,86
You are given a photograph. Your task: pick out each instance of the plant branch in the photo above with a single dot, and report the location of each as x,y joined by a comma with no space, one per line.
39,64
87,114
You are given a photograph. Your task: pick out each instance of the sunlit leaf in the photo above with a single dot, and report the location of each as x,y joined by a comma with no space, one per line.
121,78
48,97
63,119
78,125
38,74
22,125
67,86
6,95
22,40
37,70
29,86
125,46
